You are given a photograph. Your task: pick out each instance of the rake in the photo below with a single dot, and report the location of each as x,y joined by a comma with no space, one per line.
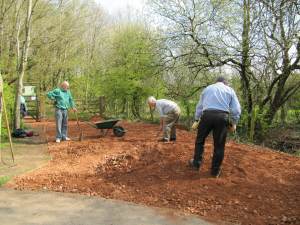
81,133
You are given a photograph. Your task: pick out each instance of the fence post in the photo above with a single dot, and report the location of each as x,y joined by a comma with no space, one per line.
42,106
102,105
38,109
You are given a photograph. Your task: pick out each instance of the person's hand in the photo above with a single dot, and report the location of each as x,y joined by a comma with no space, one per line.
195,125
158,133
74,109
232,128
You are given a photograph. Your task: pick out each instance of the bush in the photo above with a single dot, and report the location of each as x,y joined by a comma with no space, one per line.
9,98
3,180
294,116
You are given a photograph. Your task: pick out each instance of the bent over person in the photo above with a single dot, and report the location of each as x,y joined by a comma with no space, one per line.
218,110
169,113
63,101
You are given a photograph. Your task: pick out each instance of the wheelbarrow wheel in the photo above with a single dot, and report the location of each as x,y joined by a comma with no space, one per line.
118,131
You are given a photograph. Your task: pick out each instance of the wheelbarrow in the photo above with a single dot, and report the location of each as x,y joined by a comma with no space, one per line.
106,125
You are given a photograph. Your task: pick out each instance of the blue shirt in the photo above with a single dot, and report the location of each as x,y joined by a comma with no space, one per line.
219,96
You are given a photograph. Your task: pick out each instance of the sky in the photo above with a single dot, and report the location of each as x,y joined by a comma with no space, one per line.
119,6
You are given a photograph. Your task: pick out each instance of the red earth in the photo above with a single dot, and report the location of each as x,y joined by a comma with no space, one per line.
257,185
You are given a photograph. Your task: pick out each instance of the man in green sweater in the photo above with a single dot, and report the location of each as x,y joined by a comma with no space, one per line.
63,101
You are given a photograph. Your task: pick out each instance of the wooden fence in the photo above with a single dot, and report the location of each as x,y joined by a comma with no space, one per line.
42,108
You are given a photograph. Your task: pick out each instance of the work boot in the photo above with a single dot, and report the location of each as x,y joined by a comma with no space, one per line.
163,140
194,165
216,172
173,139
57,140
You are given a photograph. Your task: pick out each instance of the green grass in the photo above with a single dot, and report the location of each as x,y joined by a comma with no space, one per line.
293,116
297,153
4,145
3,180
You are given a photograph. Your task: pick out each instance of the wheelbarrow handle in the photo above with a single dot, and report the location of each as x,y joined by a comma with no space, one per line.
77,120
91,124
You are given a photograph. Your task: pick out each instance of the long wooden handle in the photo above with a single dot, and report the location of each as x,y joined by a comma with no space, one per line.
8,129
77,121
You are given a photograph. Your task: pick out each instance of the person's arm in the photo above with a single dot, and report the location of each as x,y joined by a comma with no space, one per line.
199,108
158,108
53,94
235,109
161,123
198,113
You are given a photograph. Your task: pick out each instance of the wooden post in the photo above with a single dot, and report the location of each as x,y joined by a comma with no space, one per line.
38,113
127,108
42,107
102,105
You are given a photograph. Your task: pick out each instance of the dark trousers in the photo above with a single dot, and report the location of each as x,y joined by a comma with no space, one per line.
216,121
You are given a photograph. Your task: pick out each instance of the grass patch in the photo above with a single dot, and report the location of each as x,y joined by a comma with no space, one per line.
4,145
3,180
297,153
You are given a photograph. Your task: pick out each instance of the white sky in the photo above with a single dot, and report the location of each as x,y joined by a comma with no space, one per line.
119,6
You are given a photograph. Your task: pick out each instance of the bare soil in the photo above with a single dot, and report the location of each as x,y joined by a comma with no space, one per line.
257,185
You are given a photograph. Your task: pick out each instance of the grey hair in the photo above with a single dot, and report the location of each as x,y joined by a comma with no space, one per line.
151,99
65,82
222,79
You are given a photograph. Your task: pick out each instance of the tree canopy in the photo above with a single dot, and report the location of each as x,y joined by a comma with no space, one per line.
175,50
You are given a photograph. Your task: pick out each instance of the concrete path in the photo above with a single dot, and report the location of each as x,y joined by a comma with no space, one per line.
51,208
28,157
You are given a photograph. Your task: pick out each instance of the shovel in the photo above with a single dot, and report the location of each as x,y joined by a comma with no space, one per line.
81,133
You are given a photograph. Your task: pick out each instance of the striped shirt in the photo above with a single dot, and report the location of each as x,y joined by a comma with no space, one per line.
164,107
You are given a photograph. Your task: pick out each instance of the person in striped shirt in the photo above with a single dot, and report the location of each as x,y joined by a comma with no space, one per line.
169,113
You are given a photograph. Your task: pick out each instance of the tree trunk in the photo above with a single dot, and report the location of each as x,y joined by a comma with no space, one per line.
135,106
283,115
245,66
124,103
270,114
23,65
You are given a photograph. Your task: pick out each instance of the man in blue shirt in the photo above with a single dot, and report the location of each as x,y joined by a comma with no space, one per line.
217,110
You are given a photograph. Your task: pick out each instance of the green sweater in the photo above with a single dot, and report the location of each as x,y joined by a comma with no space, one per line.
63,99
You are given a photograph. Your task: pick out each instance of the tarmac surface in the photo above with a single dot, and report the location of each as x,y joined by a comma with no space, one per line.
49,208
